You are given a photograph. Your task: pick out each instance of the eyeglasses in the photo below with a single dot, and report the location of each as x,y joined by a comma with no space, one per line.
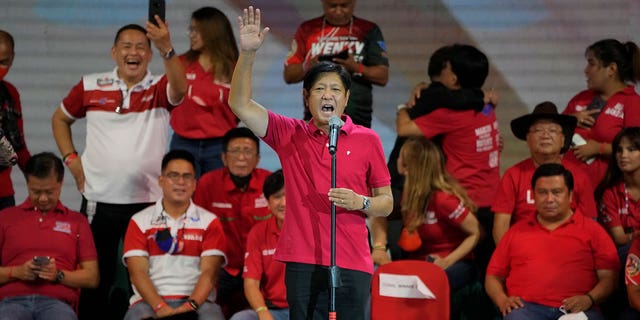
542,130
193,30
248,153
175,177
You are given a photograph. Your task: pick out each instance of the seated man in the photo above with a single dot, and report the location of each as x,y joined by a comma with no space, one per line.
548,136
263,275
234,194
47,250
174,249
556,261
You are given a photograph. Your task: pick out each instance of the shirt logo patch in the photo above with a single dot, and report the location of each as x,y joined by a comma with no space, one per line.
102,82
62,227
617,111
581,108
261,202
221,205
431,218
191,76
268,252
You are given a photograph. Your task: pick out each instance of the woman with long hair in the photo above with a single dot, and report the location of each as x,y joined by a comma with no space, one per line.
619,192
609,104
619,207
204,116
436,207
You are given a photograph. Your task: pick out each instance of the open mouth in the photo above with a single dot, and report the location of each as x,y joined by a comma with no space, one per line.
132,63
327,108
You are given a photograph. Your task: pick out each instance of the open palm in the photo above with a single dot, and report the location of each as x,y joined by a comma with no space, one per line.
251,37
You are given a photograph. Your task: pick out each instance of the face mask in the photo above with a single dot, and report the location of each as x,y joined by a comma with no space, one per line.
3,72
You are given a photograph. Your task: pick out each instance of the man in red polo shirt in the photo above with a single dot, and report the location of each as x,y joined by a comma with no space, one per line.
263,275
234,194
555,262
47,251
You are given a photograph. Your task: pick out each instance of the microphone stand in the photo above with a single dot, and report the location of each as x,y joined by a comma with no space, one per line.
334,270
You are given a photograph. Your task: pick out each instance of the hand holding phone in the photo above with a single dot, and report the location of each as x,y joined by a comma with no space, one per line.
41,260
156,7
341,55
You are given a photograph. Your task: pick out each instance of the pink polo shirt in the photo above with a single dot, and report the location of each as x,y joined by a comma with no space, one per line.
306,164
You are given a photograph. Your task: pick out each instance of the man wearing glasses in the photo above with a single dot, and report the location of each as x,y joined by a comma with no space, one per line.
174,249
234,194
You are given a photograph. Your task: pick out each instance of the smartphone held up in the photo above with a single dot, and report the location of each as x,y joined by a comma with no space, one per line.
156,8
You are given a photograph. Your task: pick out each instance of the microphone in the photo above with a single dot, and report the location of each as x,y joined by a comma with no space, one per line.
335,124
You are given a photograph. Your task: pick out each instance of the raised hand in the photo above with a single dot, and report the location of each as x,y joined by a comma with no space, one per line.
251,37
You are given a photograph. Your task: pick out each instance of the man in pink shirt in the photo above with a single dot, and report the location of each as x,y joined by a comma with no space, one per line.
363,183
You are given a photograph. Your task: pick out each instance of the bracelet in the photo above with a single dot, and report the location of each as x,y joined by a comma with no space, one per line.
360,71
259,309
10,273
593,301
160,306
380,246
69,157
602,148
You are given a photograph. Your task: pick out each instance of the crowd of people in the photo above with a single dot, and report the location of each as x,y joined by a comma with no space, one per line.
199,231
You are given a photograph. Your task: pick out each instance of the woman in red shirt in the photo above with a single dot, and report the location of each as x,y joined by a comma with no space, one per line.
204,116
436,207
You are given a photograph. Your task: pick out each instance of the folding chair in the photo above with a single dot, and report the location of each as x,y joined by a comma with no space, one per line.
389,292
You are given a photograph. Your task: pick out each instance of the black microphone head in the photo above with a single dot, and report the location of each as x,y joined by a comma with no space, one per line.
334,121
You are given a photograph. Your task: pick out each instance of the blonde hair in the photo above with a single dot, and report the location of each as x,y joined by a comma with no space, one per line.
425,174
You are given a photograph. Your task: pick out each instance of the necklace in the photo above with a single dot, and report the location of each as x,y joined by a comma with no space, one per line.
335,30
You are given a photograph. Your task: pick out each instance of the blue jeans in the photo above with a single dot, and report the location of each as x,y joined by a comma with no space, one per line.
248,314
35,307
534,311
308,292
207,152
142,310
460,274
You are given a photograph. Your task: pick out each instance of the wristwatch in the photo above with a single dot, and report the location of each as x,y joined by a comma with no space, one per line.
193,304
366,203
59,276
170,54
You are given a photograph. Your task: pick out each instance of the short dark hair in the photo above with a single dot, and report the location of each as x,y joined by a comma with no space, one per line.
132,26
550,170
326,67
178,154
5,35
273,183
438,61
44,164
240,132
470,65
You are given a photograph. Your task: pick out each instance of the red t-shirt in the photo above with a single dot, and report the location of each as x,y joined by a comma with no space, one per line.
306,163
515,196
470,145
622,110
618,209
260,265
546,267
62,234
204,113
6,187
440,232
237,210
